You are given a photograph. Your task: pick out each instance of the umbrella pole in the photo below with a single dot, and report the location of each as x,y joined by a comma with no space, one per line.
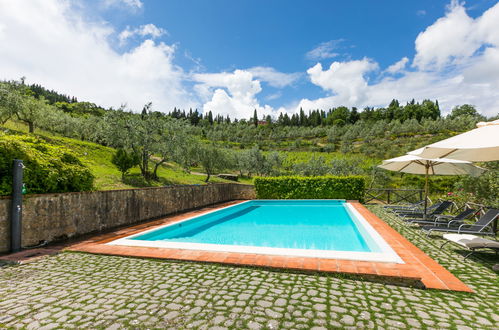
426,190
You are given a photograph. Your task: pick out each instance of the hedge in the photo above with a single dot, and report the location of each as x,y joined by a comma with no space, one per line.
48,167
317,187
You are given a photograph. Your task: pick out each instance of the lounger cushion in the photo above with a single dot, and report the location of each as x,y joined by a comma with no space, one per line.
472,241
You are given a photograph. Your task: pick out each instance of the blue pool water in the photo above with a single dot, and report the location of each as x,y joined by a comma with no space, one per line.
296,224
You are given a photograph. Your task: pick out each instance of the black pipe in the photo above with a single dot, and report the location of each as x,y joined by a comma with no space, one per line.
17,206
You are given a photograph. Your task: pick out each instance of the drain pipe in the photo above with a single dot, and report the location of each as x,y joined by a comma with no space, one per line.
17,206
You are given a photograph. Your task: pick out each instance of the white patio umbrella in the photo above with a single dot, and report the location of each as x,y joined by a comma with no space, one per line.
441,166
478,145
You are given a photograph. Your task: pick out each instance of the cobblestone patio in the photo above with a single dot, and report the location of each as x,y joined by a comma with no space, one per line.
75,290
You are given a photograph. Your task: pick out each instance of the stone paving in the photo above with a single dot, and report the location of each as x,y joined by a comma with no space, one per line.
76,290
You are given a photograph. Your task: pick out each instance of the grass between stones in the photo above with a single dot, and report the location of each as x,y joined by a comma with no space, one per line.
77,290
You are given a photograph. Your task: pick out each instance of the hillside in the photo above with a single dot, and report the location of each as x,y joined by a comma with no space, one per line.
178,147
98,159
107,177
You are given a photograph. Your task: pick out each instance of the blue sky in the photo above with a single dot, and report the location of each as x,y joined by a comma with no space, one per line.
227,35
233,56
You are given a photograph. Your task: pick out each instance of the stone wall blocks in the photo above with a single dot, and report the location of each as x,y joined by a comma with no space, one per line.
48,217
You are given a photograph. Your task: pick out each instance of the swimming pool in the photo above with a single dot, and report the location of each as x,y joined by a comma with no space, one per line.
305,228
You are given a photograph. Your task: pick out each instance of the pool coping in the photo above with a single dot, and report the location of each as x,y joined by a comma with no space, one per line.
417,266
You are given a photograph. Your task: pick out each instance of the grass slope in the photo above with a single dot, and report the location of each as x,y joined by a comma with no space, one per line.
107,177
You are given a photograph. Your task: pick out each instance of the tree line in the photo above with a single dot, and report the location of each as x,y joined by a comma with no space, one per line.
337,116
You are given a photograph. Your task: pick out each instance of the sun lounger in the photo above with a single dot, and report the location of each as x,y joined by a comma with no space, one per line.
445,219
429,209
471,242
413,207
418,209
437,210
484,225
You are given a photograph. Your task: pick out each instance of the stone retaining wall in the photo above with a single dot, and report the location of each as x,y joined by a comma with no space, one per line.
52,217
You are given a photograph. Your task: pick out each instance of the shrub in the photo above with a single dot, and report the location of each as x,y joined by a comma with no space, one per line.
319,187
48,168
124,161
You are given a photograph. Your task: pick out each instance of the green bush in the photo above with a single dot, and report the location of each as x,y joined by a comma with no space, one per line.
48,168
318,187
124,161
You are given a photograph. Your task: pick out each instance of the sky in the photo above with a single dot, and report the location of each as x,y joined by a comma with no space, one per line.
231,57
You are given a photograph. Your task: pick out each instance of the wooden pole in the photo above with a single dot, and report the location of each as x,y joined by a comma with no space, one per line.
427,167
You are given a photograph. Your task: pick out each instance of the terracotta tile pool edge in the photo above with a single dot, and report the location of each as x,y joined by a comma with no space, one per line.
433,275
418,266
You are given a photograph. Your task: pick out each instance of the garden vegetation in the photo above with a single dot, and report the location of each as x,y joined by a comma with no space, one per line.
48,168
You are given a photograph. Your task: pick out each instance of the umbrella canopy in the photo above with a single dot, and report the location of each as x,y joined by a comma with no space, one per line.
478,145
418,165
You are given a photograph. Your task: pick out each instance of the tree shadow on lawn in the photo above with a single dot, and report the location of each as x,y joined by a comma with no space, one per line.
137,180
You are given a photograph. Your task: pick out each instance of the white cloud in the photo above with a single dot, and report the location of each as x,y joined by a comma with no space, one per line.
325,50
449,40
345,79
52,44
421,12
234,93
147,30
198,65
456,37
456,62
132,4
273,96
273,77
398,66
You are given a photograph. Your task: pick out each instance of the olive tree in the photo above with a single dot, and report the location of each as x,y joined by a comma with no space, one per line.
32,111
341,166
274,163
313,167
153,137
173,145
256,161
212,159
11,100
139,133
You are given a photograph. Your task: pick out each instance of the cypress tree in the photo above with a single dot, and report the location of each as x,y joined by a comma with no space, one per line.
210,117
